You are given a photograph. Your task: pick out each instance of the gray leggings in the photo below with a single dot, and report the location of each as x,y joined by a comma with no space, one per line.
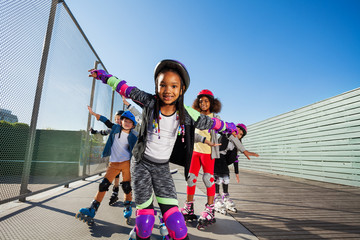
147,176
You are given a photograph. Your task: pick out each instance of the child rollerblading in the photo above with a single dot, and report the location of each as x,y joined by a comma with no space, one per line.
228,155
119,146
166,135
87,214
207,217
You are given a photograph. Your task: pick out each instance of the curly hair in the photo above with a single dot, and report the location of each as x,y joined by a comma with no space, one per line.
215,105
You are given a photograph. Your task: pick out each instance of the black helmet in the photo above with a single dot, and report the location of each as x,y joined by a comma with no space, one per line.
177,66
120,112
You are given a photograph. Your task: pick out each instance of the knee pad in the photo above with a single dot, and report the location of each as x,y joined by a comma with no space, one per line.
226,180
191,181
208,179
144,222
104,185
126,187
175,223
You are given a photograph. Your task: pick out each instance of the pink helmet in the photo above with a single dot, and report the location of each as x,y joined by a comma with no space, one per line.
242,127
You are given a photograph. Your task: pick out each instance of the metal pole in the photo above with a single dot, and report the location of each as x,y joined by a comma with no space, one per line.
86,158
35,112
112,105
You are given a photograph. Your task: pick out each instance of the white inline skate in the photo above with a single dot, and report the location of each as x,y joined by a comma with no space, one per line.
219,204
229,204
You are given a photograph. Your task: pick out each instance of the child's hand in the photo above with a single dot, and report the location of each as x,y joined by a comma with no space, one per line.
248,154
93,73
211,144
237,178
124,101
231,128
90,110
93,131
99,75
94,114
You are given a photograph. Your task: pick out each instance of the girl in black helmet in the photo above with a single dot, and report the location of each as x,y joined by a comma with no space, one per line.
166,134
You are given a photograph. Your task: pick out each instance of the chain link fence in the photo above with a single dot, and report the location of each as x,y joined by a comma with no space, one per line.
44,93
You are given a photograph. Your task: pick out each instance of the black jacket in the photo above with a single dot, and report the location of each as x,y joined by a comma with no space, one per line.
221,164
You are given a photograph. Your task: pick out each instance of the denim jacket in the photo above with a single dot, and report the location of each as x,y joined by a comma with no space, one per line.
116,128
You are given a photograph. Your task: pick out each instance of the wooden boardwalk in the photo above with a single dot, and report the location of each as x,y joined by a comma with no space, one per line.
281,207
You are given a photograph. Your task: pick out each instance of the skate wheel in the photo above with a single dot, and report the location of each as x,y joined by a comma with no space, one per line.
79,216
90,222
200,227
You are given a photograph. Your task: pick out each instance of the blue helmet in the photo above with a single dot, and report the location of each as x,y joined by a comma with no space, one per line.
129,115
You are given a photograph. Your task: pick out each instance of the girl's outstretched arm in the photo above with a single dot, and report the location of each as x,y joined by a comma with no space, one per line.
248,154
204,122
120,86
199,138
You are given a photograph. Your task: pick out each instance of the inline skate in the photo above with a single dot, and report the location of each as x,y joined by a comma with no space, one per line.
229,204
127,211
207,217
87,214
219,204
114,196
188,212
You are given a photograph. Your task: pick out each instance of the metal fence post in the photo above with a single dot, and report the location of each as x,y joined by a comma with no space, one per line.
34,117
86,158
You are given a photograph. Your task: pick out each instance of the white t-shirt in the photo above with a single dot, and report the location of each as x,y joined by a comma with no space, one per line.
120,149
159,149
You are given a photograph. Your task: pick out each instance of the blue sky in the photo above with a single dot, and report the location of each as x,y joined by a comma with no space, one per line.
261,58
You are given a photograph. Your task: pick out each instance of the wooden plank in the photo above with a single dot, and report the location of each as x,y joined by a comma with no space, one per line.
282,207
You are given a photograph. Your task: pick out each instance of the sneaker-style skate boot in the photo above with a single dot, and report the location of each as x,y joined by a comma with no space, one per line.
229,204
188,212
219,204
87,214
127,211
114,196
207,217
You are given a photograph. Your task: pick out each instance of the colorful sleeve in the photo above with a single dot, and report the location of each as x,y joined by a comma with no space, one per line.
120,86
204,122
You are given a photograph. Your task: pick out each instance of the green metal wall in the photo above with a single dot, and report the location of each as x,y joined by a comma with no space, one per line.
319,142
